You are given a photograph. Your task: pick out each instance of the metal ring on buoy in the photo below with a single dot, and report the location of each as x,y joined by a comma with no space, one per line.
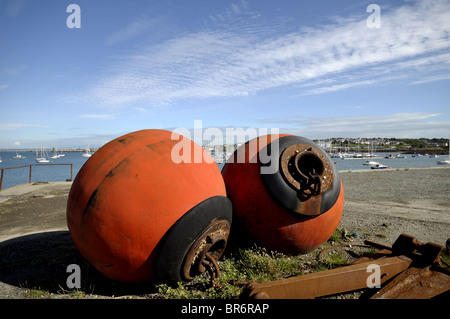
137,215
302,163
293,209
199,235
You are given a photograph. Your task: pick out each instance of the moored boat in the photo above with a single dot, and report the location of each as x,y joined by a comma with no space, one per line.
371,163
19,156
379,166
42,157
87,153
444,162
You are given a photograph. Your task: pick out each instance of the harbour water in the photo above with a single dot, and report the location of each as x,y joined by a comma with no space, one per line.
54,173
39,173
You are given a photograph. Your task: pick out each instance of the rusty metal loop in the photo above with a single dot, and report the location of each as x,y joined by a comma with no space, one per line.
211,265
309,186
206,250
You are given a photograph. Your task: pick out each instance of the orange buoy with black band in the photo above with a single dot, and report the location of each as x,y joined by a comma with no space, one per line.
143,208
286,193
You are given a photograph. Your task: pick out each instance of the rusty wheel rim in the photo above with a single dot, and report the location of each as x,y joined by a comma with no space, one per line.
300,162
206,250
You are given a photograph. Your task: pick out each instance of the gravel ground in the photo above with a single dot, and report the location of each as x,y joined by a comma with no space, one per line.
35,246
381,205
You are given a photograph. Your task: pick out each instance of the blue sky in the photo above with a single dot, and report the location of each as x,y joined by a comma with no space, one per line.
310,68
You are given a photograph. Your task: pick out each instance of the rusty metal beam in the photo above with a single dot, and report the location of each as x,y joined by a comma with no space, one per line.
417,283
414,268
328,282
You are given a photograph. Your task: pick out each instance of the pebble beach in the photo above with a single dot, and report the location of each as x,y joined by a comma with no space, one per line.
382,204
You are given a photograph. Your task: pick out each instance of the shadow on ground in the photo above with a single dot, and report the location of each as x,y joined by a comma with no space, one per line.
39,261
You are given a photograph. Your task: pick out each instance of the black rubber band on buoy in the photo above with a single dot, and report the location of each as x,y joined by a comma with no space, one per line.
180,238
279,188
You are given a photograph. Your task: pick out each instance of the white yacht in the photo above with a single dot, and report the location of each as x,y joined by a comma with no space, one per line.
445,161
87,153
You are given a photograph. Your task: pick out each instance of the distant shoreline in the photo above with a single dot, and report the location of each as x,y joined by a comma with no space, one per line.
421,151
69,150
394,169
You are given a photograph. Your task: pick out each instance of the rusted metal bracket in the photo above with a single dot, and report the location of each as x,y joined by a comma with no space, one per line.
412,269
206,250
328,282
306,170
425,278
417,283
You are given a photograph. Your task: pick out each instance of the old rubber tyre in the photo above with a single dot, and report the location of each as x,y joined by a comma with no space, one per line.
182,235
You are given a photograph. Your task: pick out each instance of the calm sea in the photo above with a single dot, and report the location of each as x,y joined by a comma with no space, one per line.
53,173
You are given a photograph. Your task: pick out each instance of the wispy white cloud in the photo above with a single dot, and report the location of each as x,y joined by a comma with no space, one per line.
135,28
14,7
99,116
235,62
87,140
433,78
15,126
14,70
407,125
338,87
233,11
80,141
4,86
235,8
416,124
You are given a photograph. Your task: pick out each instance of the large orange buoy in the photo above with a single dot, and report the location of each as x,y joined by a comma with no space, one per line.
144,208
286,193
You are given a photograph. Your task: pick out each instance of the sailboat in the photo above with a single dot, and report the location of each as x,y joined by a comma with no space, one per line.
43,157
55,154
87,154
445,161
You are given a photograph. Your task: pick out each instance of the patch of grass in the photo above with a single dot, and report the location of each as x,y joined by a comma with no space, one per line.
341,235
256,265
4,208
260,265
445,260
72,294
336,236
241,267
335,260
37,293
238,269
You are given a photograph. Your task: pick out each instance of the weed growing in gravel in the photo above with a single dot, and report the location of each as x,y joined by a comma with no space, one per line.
256,264
238,269
4,208
36,293
445,259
